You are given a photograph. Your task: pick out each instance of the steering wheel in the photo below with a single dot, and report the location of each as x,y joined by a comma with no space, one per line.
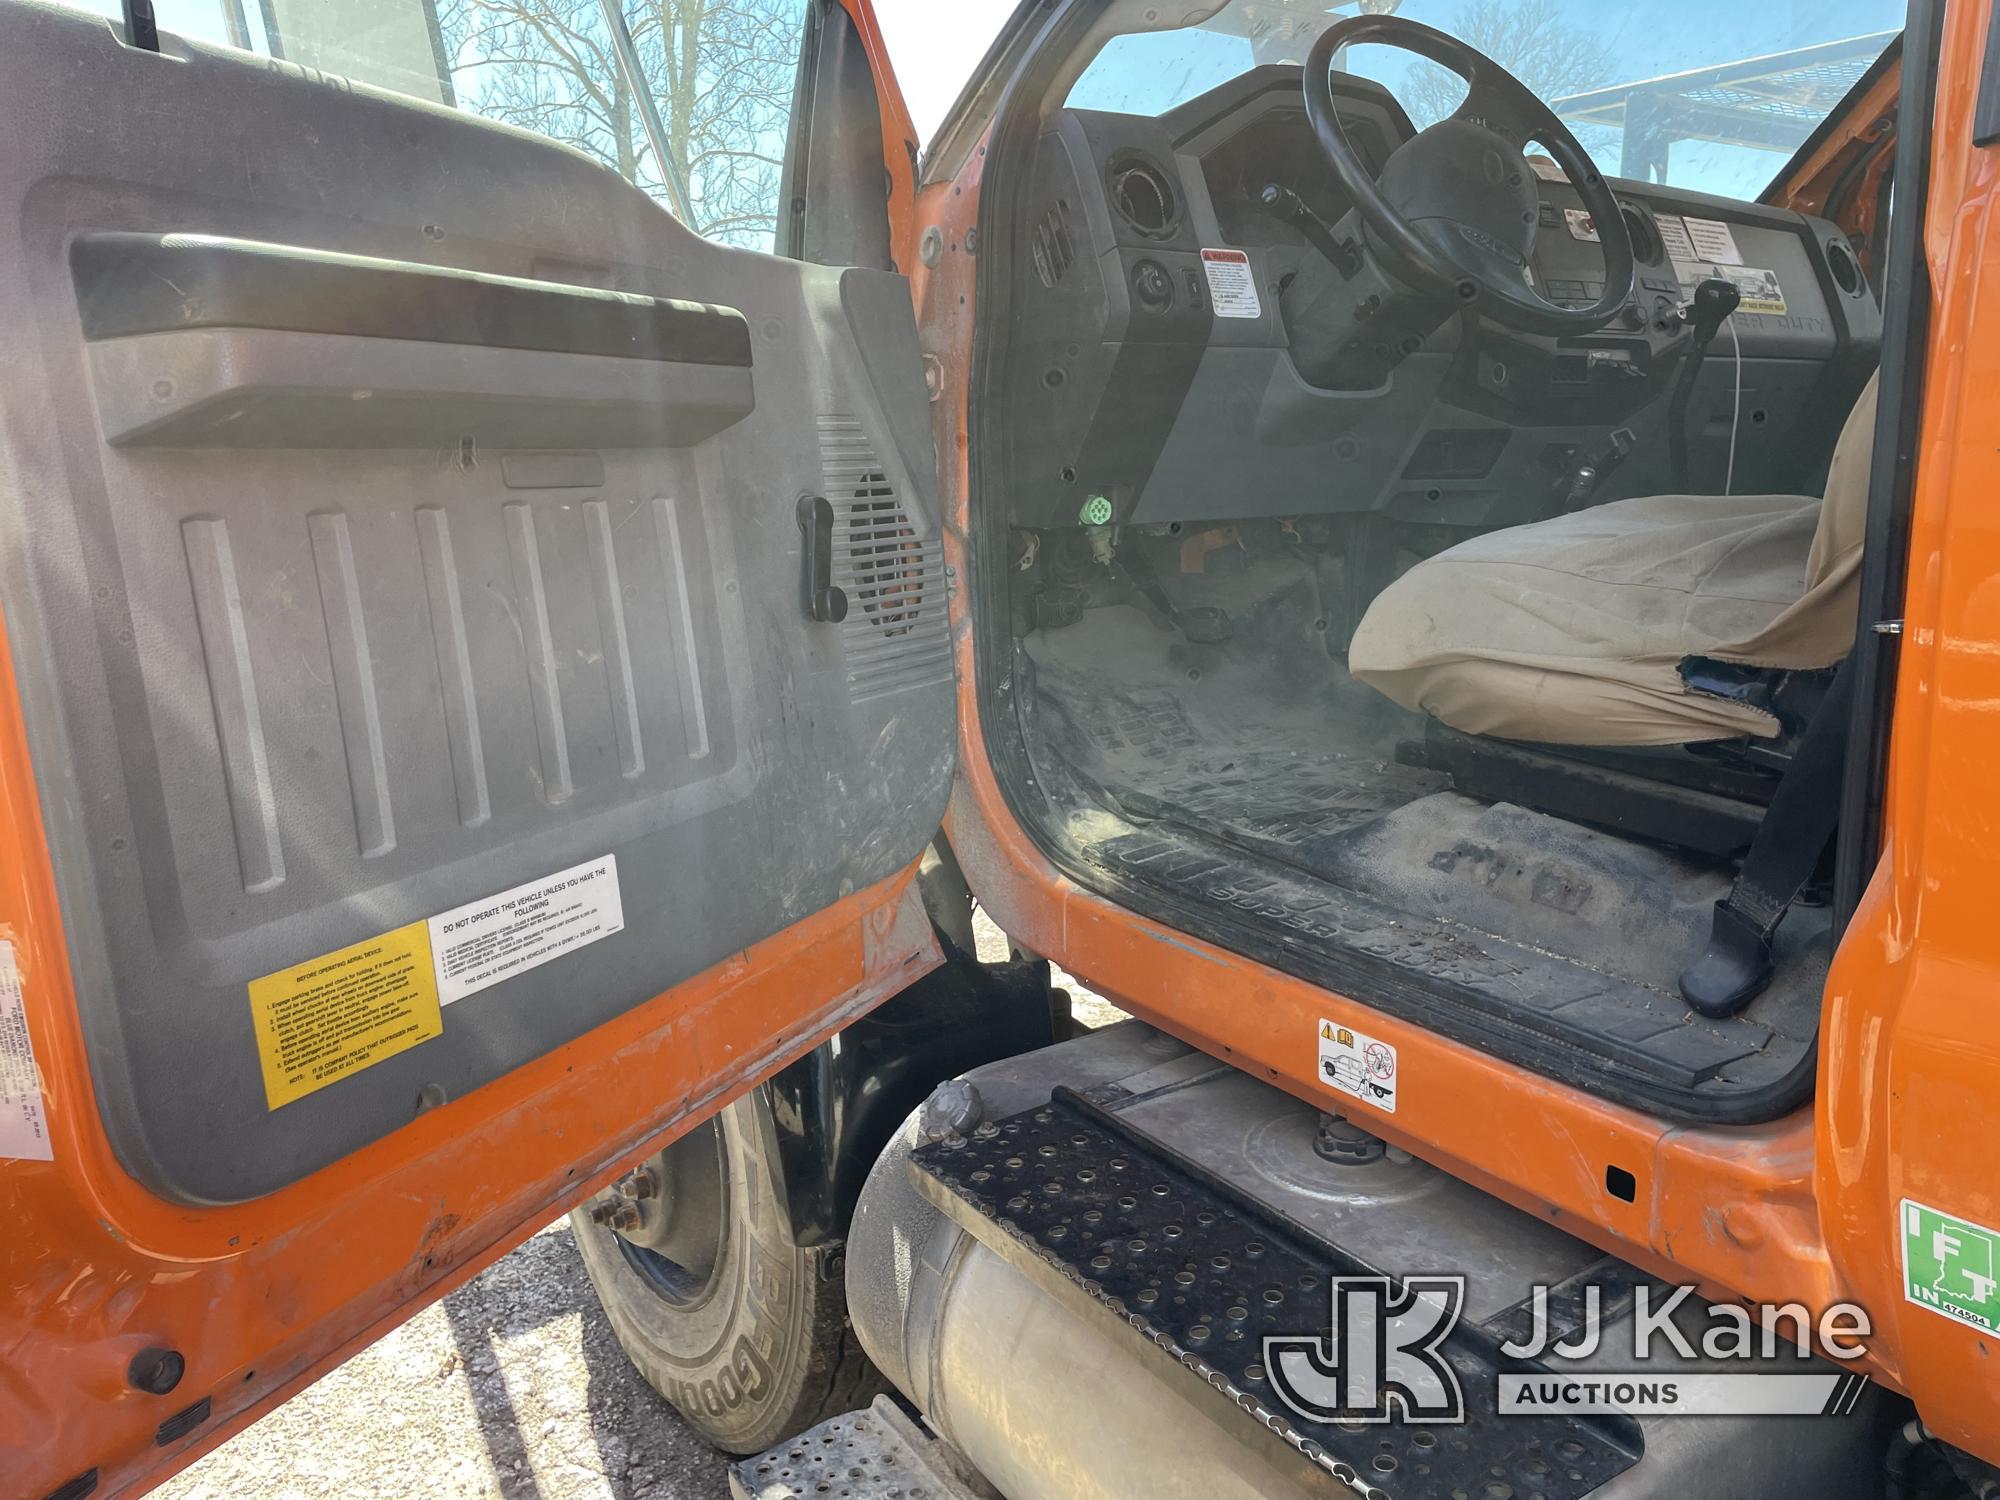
1455,210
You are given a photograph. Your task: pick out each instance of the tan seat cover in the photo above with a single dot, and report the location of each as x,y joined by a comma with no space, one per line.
1570,631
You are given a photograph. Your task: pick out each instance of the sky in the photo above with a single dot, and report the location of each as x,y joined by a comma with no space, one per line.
934,46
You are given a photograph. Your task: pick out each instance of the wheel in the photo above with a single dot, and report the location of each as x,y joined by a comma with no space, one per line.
729,1319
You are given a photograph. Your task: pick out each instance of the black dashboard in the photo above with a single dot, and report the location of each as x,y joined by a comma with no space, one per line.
1152,369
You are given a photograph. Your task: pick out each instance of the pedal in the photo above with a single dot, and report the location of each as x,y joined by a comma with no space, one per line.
1106,1221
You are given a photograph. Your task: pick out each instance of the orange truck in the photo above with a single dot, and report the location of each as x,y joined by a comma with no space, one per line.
1439,554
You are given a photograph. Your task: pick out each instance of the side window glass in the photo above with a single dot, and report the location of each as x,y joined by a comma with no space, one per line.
721,73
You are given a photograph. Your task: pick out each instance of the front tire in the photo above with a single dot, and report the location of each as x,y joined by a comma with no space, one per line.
714,1302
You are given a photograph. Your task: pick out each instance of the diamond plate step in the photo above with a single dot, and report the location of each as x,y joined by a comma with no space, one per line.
874,1454
1117,1228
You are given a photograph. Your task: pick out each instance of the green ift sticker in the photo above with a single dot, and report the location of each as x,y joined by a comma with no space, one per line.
1950,1266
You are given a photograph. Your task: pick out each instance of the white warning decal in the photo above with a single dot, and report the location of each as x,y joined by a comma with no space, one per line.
1759,289
1357,1064
1762,291
24,1128
481,943
1674,235
1705,249
1232,287
1714,242
1582,224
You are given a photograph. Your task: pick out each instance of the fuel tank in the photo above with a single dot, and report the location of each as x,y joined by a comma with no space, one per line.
1052,1396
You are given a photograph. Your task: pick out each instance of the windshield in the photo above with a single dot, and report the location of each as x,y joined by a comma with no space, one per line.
1710,95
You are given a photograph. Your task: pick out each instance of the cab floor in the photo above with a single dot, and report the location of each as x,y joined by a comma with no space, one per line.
1255,775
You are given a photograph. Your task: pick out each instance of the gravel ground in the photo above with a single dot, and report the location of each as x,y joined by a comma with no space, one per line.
513,1386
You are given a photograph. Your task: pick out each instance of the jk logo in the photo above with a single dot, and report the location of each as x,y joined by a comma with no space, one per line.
1383,1362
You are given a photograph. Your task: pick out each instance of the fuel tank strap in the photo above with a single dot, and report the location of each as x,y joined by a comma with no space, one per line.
1119,1228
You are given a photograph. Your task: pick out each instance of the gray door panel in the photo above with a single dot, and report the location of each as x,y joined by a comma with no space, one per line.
328,622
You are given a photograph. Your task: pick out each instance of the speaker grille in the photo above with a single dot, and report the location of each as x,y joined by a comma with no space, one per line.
896,633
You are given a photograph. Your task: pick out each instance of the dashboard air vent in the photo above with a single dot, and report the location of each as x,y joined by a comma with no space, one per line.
1140,194
1646,244
1054,247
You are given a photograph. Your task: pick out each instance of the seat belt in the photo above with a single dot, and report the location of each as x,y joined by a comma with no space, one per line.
1736,965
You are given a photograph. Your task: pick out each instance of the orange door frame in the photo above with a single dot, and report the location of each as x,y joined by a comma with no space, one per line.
1791,1211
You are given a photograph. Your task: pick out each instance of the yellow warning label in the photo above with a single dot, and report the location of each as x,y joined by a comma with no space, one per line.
336,1014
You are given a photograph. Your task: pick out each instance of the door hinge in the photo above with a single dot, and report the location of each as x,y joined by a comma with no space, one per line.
824,602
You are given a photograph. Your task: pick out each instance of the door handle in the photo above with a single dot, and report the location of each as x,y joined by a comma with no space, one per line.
824,602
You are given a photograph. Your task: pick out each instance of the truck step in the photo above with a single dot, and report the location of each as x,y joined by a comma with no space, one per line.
877,1453
1104,1219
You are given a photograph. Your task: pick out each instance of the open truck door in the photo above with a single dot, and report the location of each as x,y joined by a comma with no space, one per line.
476,681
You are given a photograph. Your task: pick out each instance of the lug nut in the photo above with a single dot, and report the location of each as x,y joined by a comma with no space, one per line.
637,1185
615,1214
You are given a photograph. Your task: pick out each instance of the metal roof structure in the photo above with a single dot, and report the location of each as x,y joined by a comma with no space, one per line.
1771,102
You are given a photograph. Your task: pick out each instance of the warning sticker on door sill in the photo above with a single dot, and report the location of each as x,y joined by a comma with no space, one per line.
483,942
1358,1065
24,1127
336,1014
1951,1266
1232,286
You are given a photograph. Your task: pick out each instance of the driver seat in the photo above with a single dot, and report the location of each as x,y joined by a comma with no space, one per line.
1572,631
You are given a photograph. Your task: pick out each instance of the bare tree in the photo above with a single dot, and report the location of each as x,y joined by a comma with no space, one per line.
546,66
720,71
1530,39
723,71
